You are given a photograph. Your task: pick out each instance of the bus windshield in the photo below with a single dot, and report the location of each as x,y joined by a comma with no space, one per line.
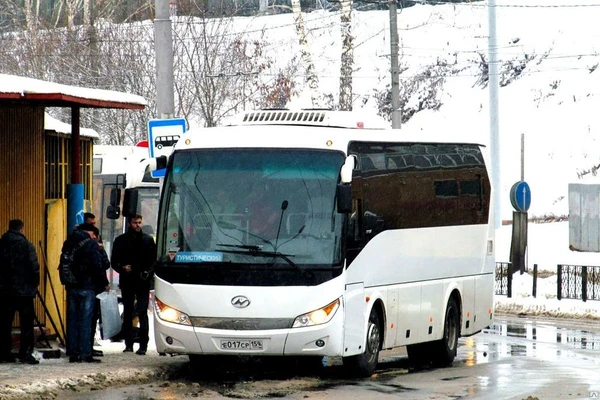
252,206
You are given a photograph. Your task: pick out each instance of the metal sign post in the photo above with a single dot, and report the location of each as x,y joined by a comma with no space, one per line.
520,198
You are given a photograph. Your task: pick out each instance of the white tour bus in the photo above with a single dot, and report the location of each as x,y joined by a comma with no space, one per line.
321,233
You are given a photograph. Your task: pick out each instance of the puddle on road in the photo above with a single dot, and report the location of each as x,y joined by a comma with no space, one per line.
527,339
544,333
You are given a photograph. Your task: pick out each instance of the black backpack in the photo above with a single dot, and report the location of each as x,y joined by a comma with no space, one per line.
67,266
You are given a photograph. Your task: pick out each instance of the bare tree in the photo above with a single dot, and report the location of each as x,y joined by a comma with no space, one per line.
311,76
92,56
219,71
347,59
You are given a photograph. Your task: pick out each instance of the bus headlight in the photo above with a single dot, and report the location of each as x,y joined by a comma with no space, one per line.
169,314
317,317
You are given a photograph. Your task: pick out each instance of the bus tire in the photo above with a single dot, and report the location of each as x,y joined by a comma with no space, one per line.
363,365
445,349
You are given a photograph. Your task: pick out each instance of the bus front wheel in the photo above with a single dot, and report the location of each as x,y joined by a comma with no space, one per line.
364,364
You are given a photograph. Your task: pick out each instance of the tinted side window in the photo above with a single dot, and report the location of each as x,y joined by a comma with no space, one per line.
446,188
412,185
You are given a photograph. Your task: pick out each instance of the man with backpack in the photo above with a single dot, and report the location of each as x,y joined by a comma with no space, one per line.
19,279
81,258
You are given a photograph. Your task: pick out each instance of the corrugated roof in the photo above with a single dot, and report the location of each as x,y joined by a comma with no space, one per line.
21,90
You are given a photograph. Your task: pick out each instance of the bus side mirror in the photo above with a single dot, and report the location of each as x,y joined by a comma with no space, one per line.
115,197
347,168
130,202
157,163
113,212
344,198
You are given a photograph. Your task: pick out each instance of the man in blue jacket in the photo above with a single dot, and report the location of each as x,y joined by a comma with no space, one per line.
90,275
19,279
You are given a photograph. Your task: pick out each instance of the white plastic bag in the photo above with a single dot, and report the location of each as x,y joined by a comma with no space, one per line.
109,310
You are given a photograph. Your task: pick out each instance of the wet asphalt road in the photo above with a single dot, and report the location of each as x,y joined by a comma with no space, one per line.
516,358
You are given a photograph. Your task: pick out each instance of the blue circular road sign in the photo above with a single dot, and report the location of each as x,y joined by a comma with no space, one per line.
520,196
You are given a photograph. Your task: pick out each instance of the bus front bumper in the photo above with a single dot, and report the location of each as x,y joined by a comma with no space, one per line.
320,340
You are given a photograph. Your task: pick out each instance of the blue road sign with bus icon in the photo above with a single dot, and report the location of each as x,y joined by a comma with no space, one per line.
162,136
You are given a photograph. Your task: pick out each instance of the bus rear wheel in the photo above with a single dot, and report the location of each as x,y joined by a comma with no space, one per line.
363,365
440,353
445,349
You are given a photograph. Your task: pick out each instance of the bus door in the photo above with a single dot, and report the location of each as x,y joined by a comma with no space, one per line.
355,319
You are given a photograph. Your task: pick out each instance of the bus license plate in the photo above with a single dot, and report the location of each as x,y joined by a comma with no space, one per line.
241,344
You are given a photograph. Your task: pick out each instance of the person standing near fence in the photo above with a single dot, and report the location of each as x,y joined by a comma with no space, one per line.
19,280
133,256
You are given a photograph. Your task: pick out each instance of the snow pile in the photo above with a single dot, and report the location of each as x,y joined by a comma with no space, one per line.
545,303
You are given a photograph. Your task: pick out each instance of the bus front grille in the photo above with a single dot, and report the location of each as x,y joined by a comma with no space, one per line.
242,324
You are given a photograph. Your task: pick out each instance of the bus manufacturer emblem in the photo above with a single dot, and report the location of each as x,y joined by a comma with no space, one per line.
240,301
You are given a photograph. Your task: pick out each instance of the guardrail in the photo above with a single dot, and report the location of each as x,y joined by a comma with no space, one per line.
579,282
503,282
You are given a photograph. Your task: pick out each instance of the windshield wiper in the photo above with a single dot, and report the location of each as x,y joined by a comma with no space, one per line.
250,247
256,251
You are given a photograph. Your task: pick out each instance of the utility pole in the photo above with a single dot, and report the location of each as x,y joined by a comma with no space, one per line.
522,157
494,119
396,111
163,40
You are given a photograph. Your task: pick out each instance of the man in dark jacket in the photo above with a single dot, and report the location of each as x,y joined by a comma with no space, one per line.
81,296
19,279
90,219
133,256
